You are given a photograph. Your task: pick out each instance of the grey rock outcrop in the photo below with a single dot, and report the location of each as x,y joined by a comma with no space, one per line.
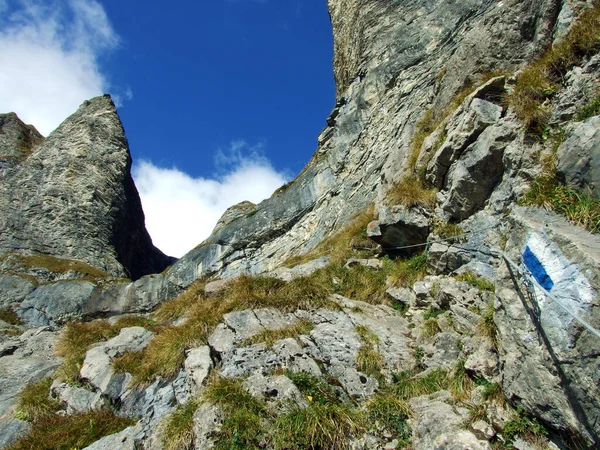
97,368
439,425
91,209
399,227
578,158
17,141
31,358
548,360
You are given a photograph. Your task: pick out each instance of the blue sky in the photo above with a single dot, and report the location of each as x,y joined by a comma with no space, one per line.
221,100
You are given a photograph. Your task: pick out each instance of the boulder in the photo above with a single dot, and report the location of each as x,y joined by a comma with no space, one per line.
76,399
56,303
198,364
278,390
462,130
399,227
473,177
207,422
97,368
124,440
438,424
578,157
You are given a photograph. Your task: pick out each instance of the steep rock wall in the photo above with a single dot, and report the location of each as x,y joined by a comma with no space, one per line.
72,195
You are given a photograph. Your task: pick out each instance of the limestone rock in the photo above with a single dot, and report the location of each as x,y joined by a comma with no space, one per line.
578,158
14,289
77,400
207,422
399,227
91,209
542,349
369,263
97,369
56,303
124,440
277,390
12,430
471,180
439,425
17,141
302,270
463,129
233,213
198,364
31,359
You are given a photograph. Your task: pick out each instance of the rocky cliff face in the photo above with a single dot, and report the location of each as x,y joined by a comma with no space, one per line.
71,195
423,143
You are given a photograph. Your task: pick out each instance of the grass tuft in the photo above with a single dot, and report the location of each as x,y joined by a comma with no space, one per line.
179,429
575,204
242,426
539,82
9,316
431,328
410,192
480,283
487,326
269,337
55,432
59,265
35,402
368,360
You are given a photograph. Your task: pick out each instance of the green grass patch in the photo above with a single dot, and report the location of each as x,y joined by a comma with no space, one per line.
447,230
55,432
179,429
575,204
319,426
431,328
538,83
35,402
242,426
432,313
521,425
314,389
590,109
487,327
269,337
480,283
9,316
368,360
411,192
385,411
59,265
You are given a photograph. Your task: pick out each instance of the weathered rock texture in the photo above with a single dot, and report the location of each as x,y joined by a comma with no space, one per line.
72,195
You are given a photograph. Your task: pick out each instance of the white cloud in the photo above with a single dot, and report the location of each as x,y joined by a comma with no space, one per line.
49,58
181,211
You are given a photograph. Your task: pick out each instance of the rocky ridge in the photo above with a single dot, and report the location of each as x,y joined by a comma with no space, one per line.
488,359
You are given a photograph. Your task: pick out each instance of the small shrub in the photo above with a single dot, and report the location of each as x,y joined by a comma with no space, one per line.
269,337
35,402
521,425
179,431
431,328
591,109
314,389
9,316
76,431
387,412
447,230
407,386
480,283
432,313
407,272
459,381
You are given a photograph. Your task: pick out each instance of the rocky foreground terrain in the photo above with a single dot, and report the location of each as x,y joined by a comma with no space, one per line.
430,280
